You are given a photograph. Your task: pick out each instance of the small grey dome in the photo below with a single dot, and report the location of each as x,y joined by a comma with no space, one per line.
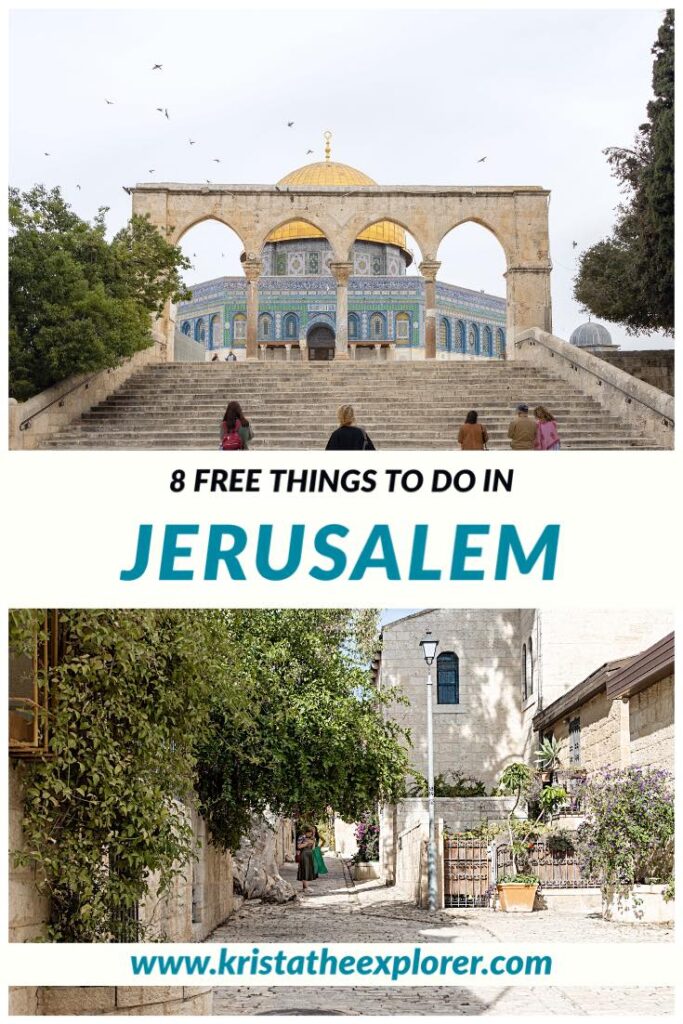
591,335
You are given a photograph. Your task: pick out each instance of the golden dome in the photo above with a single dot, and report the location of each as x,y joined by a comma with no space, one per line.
329,173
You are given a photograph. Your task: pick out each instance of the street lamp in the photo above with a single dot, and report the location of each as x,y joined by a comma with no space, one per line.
429,647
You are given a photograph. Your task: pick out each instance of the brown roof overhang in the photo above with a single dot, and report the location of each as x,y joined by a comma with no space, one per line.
644,670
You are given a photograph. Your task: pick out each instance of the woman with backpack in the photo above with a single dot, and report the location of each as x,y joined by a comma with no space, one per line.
348,437
236,432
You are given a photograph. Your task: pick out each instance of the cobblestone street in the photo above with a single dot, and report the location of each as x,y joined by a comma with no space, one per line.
339,911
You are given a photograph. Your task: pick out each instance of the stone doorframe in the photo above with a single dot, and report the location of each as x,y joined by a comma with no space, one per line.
516,215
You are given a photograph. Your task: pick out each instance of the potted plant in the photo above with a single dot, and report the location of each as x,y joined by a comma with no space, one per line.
366,859
517,890
548,758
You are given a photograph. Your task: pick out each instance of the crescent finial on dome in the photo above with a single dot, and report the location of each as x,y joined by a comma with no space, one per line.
328,149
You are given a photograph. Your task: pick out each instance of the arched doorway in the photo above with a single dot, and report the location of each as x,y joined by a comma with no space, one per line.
320,342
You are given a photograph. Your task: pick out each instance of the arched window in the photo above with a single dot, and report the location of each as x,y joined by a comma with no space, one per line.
500,342
290,326
239,327
473,339
354,325
525,681
447,678
186,328
488,341
200,331
530,667
462,331
265,326
214,331
402,327
445,334
377,328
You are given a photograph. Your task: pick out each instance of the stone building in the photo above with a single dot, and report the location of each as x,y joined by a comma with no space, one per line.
593,337
496,669
621,715
503,679
297,295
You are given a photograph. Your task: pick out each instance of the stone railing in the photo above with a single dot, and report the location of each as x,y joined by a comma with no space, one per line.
43,415
616,391
187,350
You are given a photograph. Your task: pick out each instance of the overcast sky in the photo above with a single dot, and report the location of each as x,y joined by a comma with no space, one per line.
411,97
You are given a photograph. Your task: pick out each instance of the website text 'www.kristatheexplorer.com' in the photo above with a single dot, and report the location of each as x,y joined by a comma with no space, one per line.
321,963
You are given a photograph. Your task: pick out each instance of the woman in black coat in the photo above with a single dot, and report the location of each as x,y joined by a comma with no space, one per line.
348,437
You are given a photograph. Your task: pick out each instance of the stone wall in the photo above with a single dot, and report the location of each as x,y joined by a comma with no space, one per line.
28,910
651,726
573,644
123,1001
187,350
655,366
482,733
602,723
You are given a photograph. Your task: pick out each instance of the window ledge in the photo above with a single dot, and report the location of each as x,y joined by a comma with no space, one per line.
529,702
450,709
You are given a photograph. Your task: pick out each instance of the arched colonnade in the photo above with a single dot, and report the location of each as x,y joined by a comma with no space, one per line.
517,216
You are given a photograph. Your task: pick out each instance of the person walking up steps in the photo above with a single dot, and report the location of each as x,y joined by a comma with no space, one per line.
522,430
472,436
347,436
547,437
236,432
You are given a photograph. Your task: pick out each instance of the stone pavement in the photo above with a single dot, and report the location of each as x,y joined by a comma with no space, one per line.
339,911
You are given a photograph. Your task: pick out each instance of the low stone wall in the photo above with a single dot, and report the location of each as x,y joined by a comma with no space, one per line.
650,409
653,366
43,415
123,1001
187,350
645,903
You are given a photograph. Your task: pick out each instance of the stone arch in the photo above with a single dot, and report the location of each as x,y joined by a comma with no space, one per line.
178,233
500,237
357,225
377,325
265,327
290,327
215,341
200,330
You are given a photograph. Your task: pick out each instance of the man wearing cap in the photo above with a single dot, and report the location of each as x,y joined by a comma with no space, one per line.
522,430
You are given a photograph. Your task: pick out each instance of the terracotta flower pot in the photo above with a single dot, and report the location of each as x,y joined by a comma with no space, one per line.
517,897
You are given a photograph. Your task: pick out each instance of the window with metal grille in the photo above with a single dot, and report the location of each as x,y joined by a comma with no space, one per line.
525,678
447,678
30,698
575,741
530,670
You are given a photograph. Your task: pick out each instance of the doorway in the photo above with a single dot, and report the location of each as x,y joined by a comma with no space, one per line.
320,342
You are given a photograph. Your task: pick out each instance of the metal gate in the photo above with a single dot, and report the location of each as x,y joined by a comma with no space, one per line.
467,873
556,869
470,878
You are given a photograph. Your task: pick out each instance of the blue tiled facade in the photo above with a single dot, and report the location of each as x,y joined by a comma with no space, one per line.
297,291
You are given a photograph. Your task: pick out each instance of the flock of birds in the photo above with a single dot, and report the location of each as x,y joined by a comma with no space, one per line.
192,142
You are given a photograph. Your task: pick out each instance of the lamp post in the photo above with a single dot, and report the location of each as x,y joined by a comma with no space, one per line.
429,647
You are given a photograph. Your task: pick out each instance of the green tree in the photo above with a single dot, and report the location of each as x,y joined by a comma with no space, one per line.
628,278
78,303
297,728
247,709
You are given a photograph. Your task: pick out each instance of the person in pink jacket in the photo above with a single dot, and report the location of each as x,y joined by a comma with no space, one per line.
547,437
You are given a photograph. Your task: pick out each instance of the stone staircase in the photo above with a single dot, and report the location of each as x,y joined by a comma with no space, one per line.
293,405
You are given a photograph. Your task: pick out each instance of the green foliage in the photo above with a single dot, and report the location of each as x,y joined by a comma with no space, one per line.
248,709
106,808
669,894
560,841
628,835
78,303
295,725
629,277
449,784
518,879
548,754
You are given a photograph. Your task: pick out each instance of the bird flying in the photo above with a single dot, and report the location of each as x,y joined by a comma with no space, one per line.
78,187
151,171
110,103
290,124
215,160
574,245
191,141
157,67
308,152
46,154
482,160
166,113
